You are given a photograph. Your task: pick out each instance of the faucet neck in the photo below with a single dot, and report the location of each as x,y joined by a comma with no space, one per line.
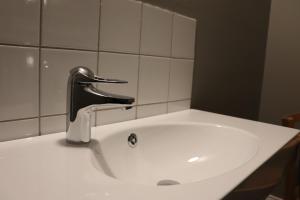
79,130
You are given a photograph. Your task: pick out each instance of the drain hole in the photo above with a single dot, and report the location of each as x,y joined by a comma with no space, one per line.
167,182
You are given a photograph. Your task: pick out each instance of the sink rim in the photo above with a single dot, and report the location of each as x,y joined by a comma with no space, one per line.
115,130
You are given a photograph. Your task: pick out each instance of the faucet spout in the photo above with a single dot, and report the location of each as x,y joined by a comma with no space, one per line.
82,98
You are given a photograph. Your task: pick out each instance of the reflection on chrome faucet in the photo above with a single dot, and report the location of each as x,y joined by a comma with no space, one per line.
83,98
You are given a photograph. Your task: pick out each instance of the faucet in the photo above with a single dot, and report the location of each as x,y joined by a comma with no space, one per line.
83,98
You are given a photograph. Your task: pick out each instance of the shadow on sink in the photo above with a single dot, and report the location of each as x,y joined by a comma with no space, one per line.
98,158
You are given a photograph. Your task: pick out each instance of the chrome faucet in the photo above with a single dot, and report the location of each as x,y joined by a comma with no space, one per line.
83,98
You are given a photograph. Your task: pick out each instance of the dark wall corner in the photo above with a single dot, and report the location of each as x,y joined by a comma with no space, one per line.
230,57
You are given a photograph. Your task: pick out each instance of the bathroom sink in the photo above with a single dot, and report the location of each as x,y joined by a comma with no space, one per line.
178,153
184,155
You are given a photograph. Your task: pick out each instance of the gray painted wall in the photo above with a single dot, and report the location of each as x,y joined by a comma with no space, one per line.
230,51
281,86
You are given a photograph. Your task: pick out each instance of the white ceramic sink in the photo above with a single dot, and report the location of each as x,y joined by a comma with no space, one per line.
199,155
175,153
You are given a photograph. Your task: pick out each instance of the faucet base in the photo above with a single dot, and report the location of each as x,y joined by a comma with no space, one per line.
79,131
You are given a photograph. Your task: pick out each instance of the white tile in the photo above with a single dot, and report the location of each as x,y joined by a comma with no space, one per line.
181,79
19,129
120,25
71,23
20,22
178,105
153,79
151,110
119,66
19,82
115,115
55,67
156,34
53,124
56,124
184,32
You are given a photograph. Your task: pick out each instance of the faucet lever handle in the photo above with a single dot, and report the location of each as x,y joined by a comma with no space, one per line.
97,79
103,80
84,75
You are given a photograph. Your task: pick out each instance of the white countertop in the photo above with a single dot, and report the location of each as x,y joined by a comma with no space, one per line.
46,168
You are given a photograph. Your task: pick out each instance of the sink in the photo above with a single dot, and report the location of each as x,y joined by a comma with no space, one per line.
171,154
190,155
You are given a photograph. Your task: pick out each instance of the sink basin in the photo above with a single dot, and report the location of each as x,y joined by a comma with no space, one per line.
179,153
190,155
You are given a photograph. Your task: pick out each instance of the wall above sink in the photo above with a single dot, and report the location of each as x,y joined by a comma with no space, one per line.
41,41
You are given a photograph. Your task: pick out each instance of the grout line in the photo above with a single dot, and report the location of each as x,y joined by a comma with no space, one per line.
150,55
139,59
19,45
163,102
99,24
172,34
170,62
40,66
19,119
68,49
98,54
187,99
149,104
28,118
53,115
95,51
138,85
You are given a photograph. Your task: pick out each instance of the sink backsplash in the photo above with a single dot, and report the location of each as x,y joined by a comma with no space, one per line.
41,40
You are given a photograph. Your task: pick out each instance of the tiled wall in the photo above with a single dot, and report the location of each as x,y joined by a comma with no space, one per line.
40,41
